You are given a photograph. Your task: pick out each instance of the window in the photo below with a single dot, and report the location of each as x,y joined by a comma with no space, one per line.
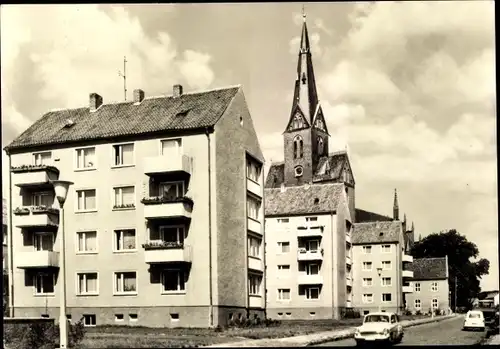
253,207
87,242
283,220
254,282
133,317
125,240
123,154
42,158
253,171
173,234
312,313
435,303
284,246
284,267
174,316
386,281
312,245
174,280
367,282
312,269
320,146
124,197
85,158
386,248
298,147
171,146
297,121
417,286
89,320
434,287
284,294
311,219
87,283
254,246
126,282
171,190
368,298
367,266
312,293
86,200
119,317
386,297
367,249
44,283
43,241
386,265
43,198
418,304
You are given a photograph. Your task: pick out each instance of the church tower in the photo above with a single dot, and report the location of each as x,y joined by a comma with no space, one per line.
306,136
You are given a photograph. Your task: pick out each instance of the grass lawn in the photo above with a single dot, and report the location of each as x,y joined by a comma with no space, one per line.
144,337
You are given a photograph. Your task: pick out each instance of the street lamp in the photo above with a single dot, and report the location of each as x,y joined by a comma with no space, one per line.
61,191
379,271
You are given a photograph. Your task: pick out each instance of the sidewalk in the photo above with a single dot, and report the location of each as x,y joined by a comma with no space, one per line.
318,338
493,340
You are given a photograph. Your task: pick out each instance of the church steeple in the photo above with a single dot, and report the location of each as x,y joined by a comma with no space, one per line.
395,208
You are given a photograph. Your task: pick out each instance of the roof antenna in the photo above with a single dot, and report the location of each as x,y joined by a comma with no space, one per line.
303,13
124,76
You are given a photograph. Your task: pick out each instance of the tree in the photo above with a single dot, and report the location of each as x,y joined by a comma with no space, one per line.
460,251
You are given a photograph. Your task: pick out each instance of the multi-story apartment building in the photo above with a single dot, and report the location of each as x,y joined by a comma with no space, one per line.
164,221
5,255
309,211
430,285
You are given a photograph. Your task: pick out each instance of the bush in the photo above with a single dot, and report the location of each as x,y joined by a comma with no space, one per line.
418,312
256,322
408,312
40,335
350,313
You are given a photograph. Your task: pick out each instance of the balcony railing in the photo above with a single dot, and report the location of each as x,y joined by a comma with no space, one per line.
348,260
254,187
407,258
310,231
254,226
36,216
37,259
255,263
407,289
314,279
160,207
311,255
167,163
348,281
158,251
348,238
408,274
256,301
34,175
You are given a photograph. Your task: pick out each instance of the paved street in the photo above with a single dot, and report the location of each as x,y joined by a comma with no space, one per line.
444,332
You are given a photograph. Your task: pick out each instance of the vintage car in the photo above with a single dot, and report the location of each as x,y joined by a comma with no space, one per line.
474,319
379,327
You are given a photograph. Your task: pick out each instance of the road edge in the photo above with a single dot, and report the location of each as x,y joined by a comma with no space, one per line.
405,324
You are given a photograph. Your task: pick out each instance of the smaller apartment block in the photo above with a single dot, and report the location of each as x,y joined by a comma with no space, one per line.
308,255
382,271
430,285
164,221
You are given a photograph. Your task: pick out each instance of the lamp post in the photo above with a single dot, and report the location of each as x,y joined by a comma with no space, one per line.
61,191
379,271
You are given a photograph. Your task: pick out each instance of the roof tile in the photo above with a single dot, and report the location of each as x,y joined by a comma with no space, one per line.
429,268
376,232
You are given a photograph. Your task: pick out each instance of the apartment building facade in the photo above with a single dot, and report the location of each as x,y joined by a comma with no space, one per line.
164,224
431,290
382,273
5,256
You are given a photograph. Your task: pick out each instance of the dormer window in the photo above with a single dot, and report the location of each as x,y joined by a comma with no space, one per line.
299,171
298,147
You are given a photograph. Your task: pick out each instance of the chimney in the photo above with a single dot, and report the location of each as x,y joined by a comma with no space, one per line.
95,101
138,95
177,90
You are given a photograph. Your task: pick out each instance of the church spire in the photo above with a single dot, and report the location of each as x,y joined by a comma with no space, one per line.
395,209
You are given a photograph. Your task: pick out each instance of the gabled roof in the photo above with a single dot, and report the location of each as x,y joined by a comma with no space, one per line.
367,216
485,295
376,232
153,114
429,268
308,199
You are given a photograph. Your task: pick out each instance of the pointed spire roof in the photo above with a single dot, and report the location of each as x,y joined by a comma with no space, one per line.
396,205
404,218
304,40
412,227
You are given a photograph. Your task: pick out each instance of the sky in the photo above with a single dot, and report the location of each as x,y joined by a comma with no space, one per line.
408,88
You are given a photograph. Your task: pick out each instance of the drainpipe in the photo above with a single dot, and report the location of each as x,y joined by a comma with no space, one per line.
10,237
210,292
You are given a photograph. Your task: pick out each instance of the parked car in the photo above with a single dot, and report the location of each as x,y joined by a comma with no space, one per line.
491,319
474,319
379,327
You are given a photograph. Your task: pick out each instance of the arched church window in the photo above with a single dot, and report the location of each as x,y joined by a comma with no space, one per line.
297,121
321,146
298,147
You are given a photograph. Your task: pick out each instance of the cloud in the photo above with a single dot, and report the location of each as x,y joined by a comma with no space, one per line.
318,23
195,68
314,39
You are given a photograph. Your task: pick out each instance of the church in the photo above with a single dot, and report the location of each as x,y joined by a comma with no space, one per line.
310,213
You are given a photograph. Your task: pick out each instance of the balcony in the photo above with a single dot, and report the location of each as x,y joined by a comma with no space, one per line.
254,187
314,255
310,231
37,259
34,175
407,289
348,260
348,238
407,258
256,301
305,279
162,207
255,263
348,282
254,226
36,216
159,252
165,164
408,274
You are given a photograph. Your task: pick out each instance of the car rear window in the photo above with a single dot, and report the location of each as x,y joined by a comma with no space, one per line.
474,315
